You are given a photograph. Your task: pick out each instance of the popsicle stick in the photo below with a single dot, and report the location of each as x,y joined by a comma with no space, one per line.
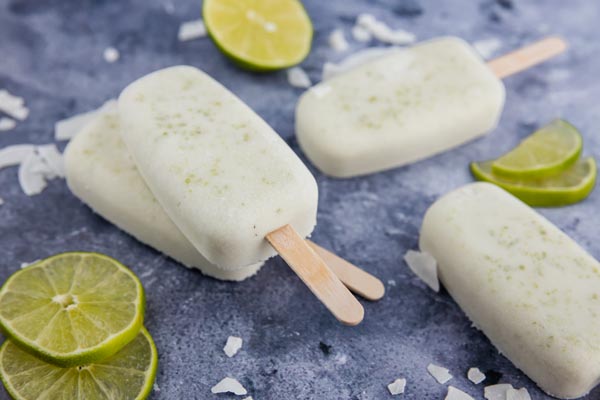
527,57
357,280
316,275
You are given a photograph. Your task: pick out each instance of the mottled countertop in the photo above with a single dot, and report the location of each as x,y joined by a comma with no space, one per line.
51,54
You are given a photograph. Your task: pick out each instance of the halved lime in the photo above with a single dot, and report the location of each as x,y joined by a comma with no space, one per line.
72,308
128,374
259,35
546,152
570,186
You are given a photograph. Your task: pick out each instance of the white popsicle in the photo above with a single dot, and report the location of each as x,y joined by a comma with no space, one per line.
407,105
101,173
223,176
528,286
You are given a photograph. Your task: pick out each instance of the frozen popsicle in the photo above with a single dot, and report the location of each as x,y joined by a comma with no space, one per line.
101,173
407,105
226,179
530,288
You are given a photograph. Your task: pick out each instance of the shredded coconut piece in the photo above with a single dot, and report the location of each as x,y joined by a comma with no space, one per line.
155,387
31,175
248,398
15,155
424,266
392,282
13,105
341,359
27,264
111,55
457,394
354,60
514,394
337,41
52,157
441,374
380,31
191,30
487,47
397,387
229,385
6,124
233,345
66,129
496,392
361,34
1,201
297,77
475,375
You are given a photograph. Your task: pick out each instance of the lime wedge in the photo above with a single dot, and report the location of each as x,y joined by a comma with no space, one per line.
259,35
72,308
128,374
568,187
546,152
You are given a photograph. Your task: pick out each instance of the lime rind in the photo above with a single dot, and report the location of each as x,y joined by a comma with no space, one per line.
260,64
547,152
111,345
28,363
568,187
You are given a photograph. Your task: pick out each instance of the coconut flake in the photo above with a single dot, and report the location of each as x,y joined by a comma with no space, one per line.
297,77
15,155
111,55
361,34
380,31
475,375
337,41
424,266
51,156
1,201
514,394
497,392
31,177
391,282
229,385
457,394
487,47
27,264
155,387
354,60
248,398
191,30
441,374
13,105
66,129
397,387
6,124
233,345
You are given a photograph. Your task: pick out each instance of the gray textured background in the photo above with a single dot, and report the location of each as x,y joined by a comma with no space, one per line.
51,54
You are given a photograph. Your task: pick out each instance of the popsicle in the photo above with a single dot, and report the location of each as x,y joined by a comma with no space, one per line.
530,288
226,179
407,105
101,173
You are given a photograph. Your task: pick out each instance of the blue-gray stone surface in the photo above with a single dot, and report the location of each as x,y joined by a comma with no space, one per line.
51,54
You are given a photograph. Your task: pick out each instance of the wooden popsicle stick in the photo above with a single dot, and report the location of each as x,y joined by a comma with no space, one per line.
527,57
316,275
357,280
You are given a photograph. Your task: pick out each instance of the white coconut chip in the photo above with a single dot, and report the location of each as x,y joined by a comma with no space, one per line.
497,392
337,41
27,264
487,47
248,398
66,129
15,155
229,385
361,34
53,158
1,201
424,266
457,394
297,77
441,374
111,55
13,105
514,394
475,375
31,175
6,124
380,31
233,345
354,60
191,30
397,387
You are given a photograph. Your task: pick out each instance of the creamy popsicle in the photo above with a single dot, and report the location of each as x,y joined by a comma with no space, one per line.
529,287
407,105
101,173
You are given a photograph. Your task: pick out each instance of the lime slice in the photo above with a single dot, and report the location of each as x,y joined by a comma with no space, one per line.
259,35
547,152
72,308
570,186
128,374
